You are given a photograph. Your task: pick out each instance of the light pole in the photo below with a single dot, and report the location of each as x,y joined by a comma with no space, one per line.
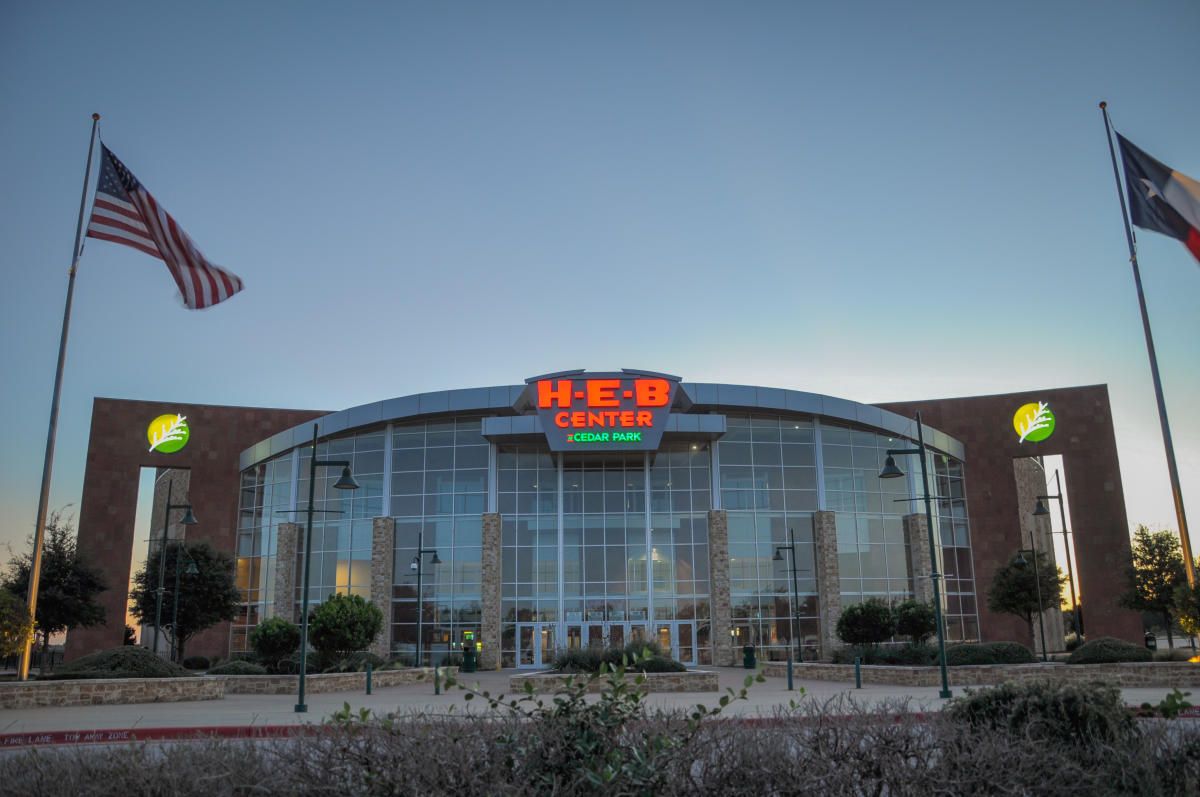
180,551
346,482
416,565
1040,510
793,623
890,471
188,520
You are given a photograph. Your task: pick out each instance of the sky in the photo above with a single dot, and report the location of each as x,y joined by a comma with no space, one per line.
878,201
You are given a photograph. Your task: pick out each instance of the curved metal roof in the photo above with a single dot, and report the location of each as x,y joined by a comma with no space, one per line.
499,400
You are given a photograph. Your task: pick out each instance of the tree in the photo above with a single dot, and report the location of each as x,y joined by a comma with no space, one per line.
274,640
16,626
915,620
342,625
866,623
68,586
208,593
1014,589
130,636
1187,608
1154,574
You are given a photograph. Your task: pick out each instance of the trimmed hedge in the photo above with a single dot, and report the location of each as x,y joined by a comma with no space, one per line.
1108,650
127,661
238,668
905,655
988,653
356,662
1050,711
196,663
650,655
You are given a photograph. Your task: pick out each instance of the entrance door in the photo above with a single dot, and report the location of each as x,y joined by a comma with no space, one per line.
677,639
535,645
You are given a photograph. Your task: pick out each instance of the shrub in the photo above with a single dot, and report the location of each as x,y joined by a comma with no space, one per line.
238,668
275,639
1173,654
1108,650
636,656
1045,710
343,624
866,623
196,663
16,626
127,661
988,653
356,662
906,655
1072,641
915,620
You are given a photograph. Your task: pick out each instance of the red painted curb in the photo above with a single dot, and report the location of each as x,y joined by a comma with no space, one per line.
116,735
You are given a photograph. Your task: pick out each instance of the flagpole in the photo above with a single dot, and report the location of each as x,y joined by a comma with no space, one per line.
1172,468
35,570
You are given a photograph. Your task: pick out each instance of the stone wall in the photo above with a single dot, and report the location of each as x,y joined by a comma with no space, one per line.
718,569
916,538
489,632
107,691
287,547
325,682
383,557
829,582
1154,674
690,681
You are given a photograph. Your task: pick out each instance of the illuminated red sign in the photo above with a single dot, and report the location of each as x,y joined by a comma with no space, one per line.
603,411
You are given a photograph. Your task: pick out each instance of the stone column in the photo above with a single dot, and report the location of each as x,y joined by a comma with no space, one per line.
489,593
916,537
287,543
383,557
829,581
724,653
1031,482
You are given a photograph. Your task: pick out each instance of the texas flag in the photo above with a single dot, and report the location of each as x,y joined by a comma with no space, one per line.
1161,199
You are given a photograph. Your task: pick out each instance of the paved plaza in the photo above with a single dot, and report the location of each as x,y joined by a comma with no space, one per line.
764,700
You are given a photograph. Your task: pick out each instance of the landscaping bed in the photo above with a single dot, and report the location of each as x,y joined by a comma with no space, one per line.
688,681
1125,674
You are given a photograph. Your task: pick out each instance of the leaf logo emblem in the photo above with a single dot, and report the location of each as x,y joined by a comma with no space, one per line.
168,433
1034,422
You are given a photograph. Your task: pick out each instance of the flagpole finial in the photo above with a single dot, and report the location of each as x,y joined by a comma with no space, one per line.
1103,105
95,117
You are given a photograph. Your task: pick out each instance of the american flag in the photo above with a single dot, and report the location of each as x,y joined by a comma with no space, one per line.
124,212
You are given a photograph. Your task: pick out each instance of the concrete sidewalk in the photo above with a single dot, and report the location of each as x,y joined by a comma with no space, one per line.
248,710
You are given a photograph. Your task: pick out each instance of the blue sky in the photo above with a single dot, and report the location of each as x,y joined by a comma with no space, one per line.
873,200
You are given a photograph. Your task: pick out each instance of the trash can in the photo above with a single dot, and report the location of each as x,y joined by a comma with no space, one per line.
749,660
470,658
1151,641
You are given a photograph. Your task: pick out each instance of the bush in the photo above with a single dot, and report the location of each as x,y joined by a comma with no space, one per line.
1072,641
196,663
915,620
127,661
1045,710
356,662
906,655
988,653
1173,654
637,656
343,624
1108,650
866,623
275,639
238,668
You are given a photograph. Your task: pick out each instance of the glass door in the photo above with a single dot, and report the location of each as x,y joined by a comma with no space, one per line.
535,645
685,642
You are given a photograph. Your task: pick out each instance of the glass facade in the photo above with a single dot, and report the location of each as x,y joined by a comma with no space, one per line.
606,549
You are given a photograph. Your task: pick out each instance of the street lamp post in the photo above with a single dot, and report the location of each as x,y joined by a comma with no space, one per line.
188,520
346,482
793,623
416,565
180,552
1037,582
890,471
1041,510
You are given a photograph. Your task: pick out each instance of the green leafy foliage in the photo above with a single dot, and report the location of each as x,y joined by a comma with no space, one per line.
68,586
196,663
988,653
1108,650
639,656
343,624
866,623
274,640
1046,710
1187,608
208,593
906,655
915,620
16,626
356,662
127,661
1169,707
238,668
1154,575
1015,589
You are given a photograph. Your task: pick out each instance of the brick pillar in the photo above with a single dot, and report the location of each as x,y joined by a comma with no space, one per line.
724,653
383,557
829,582
286,548
489,589
916,538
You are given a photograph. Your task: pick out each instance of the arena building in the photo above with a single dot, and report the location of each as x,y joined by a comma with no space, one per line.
587,508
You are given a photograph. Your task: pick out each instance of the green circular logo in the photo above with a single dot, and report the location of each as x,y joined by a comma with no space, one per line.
168,433
1034,422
